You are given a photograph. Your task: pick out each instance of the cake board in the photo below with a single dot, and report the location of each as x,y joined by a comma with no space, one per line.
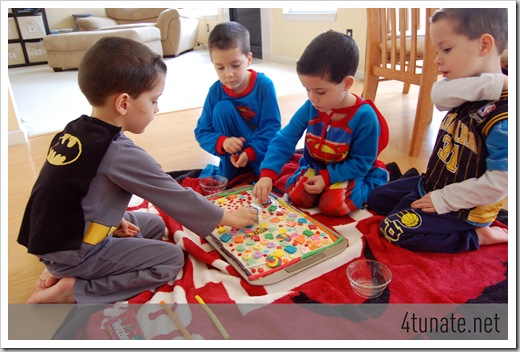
283,242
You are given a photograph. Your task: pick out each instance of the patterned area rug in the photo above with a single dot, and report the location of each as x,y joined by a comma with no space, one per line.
417,278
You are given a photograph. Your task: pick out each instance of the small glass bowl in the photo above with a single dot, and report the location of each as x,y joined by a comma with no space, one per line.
368,278
213,184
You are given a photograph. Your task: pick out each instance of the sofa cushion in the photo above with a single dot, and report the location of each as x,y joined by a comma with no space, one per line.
83,40
95,23
129,15
65,51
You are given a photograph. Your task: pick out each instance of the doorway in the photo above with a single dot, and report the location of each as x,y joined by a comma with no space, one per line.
251,19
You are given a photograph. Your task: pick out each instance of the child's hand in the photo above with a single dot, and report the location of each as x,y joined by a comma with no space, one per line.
233,145
126,229
262,189
239,160
242,217
425,204
314,184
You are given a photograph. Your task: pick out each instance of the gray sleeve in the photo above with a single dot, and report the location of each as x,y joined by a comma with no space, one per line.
134,170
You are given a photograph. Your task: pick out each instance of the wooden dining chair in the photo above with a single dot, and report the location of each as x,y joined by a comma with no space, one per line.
399,48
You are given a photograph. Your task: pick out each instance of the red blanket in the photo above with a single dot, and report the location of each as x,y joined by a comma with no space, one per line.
427,278
476,276
417,277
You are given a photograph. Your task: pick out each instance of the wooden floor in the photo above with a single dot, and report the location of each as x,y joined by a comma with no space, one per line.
170,140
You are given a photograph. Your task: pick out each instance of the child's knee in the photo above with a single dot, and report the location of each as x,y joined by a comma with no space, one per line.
337,201
300,197
332,203
150,225
156,228
173,264
226,119
401,229
157,221
392,229
224,108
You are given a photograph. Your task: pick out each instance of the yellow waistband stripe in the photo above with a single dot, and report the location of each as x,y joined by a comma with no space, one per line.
97,232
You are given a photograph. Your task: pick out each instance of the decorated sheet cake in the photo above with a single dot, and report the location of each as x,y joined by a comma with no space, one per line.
283,242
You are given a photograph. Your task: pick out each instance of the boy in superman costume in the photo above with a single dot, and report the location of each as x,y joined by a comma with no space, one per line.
240,115
344,134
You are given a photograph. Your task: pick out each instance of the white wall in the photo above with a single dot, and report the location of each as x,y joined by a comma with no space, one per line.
62,17
288,38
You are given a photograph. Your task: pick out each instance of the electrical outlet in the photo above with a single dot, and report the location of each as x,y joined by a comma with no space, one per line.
350,32
207,27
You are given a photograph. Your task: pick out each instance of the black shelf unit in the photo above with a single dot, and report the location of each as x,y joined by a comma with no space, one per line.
27,28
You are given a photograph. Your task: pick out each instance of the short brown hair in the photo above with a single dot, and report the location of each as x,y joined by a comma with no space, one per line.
230,35
331,56
472,23
118,65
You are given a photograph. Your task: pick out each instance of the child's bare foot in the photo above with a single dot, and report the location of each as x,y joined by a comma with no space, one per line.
491,235
61,292
46,279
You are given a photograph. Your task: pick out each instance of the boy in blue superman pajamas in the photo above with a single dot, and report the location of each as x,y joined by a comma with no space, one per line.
343,134
240,115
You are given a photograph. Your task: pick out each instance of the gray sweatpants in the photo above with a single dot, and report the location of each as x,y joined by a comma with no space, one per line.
117,269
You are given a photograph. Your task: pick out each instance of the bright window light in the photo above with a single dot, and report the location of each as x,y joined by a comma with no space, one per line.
310,10
310,14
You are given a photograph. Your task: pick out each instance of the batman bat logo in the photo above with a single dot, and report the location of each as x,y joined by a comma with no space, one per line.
66,151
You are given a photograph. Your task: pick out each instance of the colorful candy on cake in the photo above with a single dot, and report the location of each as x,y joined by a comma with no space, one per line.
282,237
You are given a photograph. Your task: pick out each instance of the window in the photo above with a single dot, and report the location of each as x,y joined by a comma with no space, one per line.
310,13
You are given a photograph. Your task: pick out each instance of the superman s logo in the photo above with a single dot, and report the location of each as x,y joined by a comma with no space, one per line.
246,113
325,150
66,151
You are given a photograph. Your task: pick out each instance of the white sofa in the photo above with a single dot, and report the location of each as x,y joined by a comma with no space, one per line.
179,27
65,50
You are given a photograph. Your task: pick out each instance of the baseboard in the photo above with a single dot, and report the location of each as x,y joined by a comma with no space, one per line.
16,137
